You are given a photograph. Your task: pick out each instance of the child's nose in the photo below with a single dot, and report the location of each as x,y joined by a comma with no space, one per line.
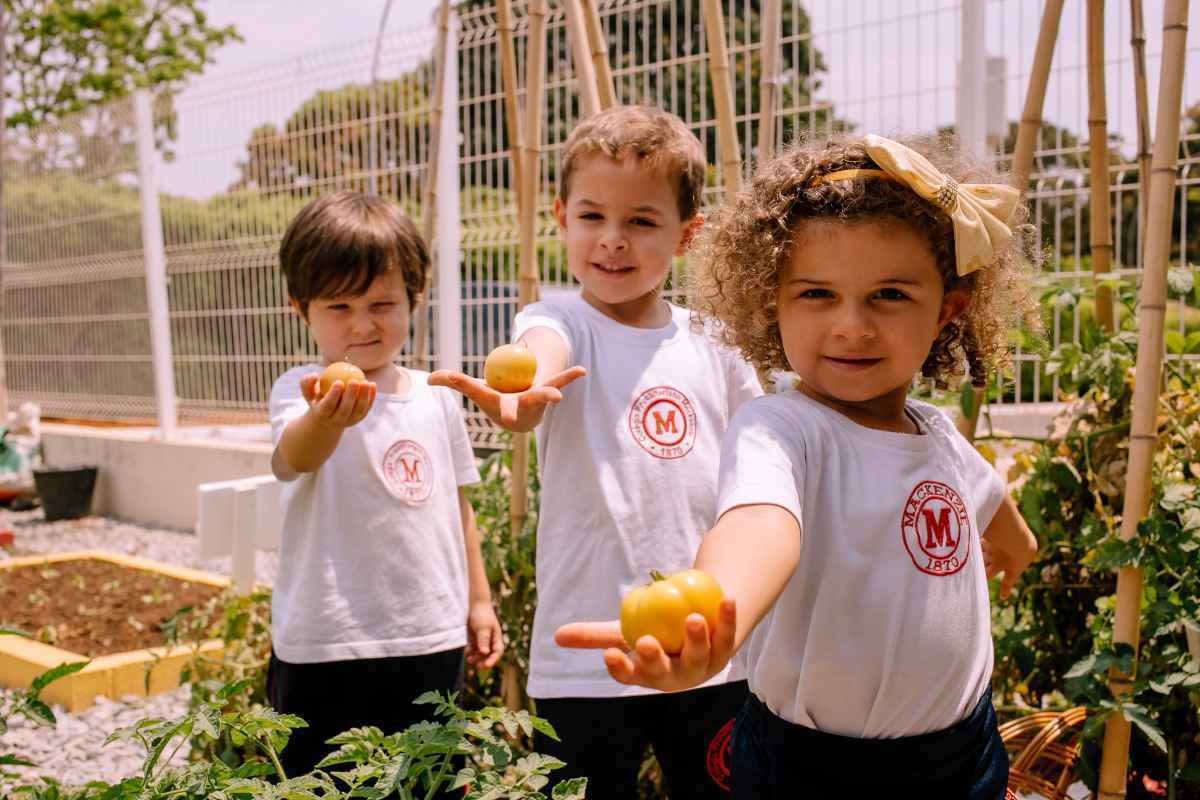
854,322
612,239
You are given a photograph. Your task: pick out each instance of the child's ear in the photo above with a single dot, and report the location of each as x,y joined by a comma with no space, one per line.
690,229
560,213
954,303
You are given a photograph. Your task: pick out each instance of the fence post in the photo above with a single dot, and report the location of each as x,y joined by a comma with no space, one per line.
154,257
448,330
972,86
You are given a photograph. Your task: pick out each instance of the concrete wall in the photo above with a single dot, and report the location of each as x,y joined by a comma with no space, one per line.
145,479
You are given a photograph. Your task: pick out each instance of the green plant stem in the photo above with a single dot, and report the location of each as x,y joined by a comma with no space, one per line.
270,751
168,761
437,781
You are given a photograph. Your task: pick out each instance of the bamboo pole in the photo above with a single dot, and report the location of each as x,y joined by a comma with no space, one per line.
1143,433
1142,97
769,83
3,232
429,190
718,60
585,68
599,50
510,684
527,280
508,78
1027,137
1035,96
1099,228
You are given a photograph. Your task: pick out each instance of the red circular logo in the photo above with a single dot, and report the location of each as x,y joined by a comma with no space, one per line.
936,529
718,756
408,471
663,421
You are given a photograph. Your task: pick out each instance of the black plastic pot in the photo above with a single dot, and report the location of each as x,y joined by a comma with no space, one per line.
66,492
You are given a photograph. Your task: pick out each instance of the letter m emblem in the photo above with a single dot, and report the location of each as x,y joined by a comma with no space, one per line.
937,531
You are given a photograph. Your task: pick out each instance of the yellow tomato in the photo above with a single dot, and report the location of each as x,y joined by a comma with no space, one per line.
660,608
510,368
342,371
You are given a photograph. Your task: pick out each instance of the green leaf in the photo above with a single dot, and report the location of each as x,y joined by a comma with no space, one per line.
7,631
1192,343
966,400
1138,716
14,761
61,671
570,789
1175,342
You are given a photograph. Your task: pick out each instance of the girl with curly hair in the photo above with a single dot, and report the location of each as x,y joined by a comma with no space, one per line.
856,528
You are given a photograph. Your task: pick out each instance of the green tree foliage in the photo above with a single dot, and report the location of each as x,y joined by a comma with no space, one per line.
325,142
67,55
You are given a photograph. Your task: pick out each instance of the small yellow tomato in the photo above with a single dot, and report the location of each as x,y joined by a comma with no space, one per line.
342,371
510,368
660,608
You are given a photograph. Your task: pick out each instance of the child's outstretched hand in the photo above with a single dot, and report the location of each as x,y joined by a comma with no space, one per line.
996,561
705,652
345,404
485,637
516,411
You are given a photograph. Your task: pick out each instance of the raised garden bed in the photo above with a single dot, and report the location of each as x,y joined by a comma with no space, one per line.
101,606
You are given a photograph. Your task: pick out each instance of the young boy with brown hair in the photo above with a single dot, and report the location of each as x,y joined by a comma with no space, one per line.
381,583
629,456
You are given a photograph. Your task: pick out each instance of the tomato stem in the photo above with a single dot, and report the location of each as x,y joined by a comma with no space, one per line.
657,576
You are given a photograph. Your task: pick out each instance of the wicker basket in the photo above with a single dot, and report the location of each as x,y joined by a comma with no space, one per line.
1043,748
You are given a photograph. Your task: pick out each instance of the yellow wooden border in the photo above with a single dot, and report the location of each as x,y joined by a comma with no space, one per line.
113,676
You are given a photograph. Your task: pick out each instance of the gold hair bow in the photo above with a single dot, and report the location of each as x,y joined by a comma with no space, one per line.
980,211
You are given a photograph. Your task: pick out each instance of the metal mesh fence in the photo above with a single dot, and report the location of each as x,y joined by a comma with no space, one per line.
243,152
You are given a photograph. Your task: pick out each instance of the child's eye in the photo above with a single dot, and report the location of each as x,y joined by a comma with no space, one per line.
816,294
647,223
891,294
593,215
338,307
385,306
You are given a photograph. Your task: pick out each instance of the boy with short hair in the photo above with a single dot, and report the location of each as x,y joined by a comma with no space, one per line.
629,456
381,582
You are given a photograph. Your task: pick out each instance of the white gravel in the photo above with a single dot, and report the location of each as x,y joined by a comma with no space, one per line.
74,752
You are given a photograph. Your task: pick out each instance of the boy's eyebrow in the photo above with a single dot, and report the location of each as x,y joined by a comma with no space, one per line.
583,201
815,282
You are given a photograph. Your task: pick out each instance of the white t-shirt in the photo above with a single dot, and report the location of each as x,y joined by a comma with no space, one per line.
372,562
884,629
628,464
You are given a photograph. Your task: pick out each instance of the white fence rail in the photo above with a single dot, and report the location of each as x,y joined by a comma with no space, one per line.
240,153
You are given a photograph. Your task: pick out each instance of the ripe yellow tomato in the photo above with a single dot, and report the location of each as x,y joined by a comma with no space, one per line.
342,371
660,608
510,368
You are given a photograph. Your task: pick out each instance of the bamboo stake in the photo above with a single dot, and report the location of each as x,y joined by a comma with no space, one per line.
1143,433
3,233
769,84
527,281
1142,97
510,682
599,50
1035,97
585,68
1099,229
718,60
1027,137
508,77
429,190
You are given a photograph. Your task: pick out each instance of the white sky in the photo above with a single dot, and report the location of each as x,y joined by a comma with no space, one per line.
878,53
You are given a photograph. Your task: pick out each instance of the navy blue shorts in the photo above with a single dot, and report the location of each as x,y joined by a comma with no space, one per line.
604,739
773,758
335,696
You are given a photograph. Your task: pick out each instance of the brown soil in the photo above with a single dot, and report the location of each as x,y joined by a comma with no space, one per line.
93,607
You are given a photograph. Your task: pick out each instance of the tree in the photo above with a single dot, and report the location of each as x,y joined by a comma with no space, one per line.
324,142
64,56
67,55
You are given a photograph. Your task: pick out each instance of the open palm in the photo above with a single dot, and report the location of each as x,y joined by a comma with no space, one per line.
516,411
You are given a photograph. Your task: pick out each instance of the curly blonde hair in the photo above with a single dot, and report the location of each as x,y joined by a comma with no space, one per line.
746,246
